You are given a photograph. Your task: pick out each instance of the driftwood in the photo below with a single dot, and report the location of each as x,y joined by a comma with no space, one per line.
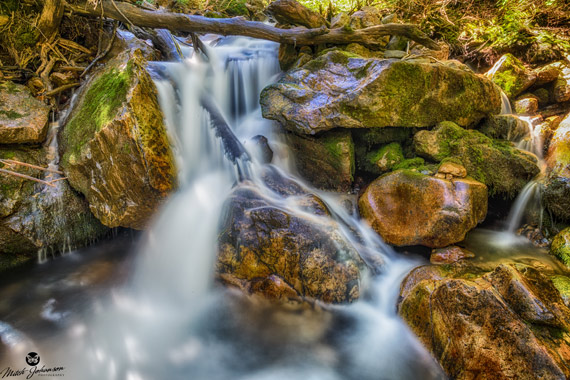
292,12
131,14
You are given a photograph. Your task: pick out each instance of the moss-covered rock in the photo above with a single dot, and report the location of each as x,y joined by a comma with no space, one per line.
527,104
561,87
511,75
326,160
115,148
35,216
383,159
556,192
266,249
340,89
409,208
561,246
506,322
23,118
497,163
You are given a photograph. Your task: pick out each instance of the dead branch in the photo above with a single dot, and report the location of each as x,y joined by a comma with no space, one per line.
19,163
19,175
241,27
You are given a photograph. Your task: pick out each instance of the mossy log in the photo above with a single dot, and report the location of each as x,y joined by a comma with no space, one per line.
131,14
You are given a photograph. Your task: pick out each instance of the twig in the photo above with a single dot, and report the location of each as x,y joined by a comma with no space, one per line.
61,89
14,162
9,172
57,180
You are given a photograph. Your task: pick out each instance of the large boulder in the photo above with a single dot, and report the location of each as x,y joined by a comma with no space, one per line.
505,322
511,75
23,118
409,208
327,160
35,216
497,163
283,254
115,148
556,192
340,89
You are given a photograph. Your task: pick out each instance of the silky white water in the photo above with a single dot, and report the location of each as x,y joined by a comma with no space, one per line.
170,321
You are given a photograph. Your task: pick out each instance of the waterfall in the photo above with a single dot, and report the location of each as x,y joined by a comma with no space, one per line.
171,322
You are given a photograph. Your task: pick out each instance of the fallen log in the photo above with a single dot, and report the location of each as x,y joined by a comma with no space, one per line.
239,26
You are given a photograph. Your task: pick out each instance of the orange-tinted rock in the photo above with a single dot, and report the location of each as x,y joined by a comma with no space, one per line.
504,324
556,193
453,169
267,250
449,255
408,208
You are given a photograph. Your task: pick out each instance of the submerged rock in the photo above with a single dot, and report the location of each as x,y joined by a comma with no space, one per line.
115,148
35,216
560,246
498,164
339,89
23,118
510,74
409,208
267,249
556,193
507,323
326,160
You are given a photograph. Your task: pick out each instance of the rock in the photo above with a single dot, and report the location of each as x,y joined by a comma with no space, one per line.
562,284
526,105
36,217
327,160
497,163
556,192
561,88
338,89
382,160
560,246
23,118
439,55
365,18
115,147
409,208
398,54
542,95
449,255
287,56
507,323
510,74
547,74
505,127
265,249
340,20
262,149
453,169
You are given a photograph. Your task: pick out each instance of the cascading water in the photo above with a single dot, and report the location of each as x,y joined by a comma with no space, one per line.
170,322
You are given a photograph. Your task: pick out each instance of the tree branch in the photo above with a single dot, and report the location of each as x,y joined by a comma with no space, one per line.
128,13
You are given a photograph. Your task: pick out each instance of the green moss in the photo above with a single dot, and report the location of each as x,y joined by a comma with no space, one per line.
411,163
11,114
561,246
100,105
9,87
562,283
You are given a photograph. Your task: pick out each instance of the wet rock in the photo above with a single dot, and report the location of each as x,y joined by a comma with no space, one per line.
562,284
556,193
560,246
23,118
36,217
510,74
339,89
409,208
526,105
561,88
287,56
498,164
269,250
547,74
115,147
542,95
398,54
507,323
327,160
505,127
449,255
262,148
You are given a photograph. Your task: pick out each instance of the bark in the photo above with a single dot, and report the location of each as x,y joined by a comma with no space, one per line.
131,14
50,19
292,12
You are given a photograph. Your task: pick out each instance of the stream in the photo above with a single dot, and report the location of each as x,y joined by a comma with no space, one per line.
144,306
